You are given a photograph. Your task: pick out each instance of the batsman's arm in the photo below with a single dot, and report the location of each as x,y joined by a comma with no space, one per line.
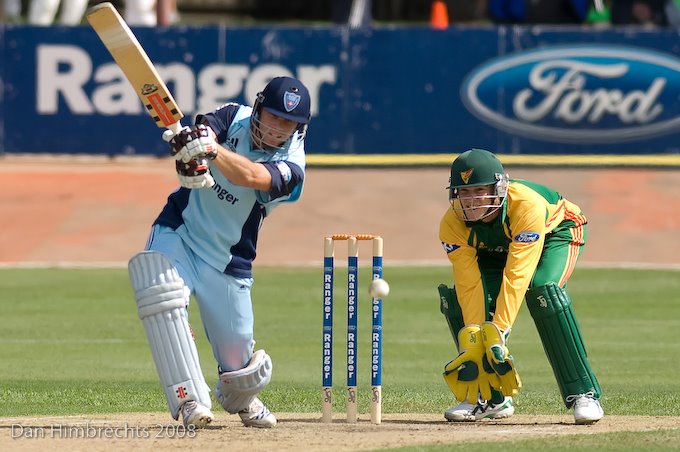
241,171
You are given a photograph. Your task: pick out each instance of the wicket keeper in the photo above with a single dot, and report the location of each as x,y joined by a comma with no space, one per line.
509,240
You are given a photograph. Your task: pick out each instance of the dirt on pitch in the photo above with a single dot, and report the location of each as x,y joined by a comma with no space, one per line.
295,432
98,211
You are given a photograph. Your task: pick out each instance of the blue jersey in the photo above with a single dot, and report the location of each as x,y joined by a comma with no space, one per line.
221,223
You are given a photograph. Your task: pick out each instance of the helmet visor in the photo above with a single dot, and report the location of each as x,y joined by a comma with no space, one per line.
475,203
273,135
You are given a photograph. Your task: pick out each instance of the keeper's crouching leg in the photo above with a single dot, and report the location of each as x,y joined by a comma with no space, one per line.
162,297
449,307
551,309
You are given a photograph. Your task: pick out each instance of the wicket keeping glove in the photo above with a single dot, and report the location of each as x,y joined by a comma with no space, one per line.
194,173
193,142
470,376
499,357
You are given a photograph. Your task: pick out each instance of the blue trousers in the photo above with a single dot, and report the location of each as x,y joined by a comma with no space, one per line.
223,300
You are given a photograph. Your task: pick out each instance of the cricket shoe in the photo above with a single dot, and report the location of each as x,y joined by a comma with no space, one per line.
257,415
587,409
193,413
467,412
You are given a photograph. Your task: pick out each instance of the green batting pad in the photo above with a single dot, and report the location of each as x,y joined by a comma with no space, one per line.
556,323
448,305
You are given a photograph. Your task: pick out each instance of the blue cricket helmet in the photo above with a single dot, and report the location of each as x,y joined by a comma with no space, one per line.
287,98
284,97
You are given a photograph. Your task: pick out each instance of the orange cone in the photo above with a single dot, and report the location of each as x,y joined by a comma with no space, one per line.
440,15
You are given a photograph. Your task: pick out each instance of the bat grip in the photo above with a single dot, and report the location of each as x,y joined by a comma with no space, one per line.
175,128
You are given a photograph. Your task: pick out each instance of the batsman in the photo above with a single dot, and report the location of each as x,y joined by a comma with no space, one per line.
235,165
509,240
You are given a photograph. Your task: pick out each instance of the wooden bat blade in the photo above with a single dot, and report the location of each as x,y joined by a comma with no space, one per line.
135,64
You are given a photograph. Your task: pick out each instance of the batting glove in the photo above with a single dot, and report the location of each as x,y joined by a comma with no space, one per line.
194,173
193,142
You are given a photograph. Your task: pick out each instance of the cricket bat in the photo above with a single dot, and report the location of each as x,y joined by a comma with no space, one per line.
136,65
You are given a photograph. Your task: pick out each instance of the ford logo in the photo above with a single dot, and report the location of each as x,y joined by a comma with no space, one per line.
578,94
527,237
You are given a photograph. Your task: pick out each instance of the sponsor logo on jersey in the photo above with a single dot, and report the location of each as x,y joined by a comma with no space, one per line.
481,246
578,93
224,195
450,248
526,237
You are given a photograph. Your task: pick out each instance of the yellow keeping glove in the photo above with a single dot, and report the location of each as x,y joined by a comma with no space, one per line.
470,374
501,361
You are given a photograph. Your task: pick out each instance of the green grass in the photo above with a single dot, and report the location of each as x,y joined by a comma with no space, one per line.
71,343
615,442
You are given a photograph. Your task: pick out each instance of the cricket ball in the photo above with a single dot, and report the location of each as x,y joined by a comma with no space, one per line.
379,288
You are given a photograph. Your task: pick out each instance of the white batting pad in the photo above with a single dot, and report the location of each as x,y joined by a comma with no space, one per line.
235,390
161,298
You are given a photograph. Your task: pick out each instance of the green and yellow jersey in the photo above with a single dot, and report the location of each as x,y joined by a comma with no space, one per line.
513,241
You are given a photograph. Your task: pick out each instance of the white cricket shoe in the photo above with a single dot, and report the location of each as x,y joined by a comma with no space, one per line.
587,409
467,412
257,415
193,413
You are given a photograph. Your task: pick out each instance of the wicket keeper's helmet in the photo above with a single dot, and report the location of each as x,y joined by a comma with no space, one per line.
476,168
285,97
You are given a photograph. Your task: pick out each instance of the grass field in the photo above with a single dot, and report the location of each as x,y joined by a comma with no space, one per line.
72,344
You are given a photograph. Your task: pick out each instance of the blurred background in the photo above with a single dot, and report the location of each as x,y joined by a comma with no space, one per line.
405,82
602,12
581,95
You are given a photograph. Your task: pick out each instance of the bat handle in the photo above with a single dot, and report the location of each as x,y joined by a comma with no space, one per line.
175,128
